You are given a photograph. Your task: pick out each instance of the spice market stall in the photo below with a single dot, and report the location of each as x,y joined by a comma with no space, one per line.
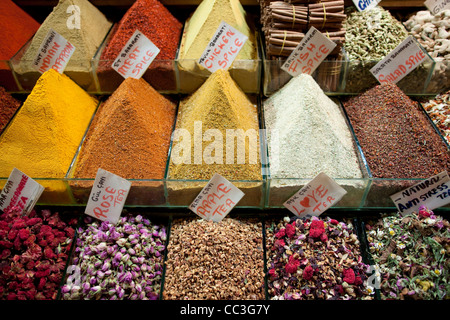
164,150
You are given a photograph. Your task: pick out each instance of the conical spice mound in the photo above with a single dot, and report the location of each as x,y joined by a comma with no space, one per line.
206,121
130,134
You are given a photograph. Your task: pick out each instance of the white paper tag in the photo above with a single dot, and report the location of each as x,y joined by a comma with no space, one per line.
54,53
20,191
399,62
316,197
433,193
216,199
436,6
107,197
223,48
309,53
136,56
365,5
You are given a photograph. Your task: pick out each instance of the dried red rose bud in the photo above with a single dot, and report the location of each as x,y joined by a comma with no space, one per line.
24,234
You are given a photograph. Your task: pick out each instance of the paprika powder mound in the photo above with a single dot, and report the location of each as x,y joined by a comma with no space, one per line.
86,37
130,137
16,28
45,133
218,108
158,24
8,106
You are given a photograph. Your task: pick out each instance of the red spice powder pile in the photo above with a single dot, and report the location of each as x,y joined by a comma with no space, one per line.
16,28
8,106
155,21
396,137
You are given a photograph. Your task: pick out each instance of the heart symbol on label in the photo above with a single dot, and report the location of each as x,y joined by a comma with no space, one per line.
305,202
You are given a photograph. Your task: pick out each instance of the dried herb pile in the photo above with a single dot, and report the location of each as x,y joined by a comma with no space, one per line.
411,253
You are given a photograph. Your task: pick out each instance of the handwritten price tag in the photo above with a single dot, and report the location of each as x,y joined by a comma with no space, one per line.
399,62
309,53
436,6
316,197
364,5
20,191
107,196
135,58
433,193
223,48
54,53
216,199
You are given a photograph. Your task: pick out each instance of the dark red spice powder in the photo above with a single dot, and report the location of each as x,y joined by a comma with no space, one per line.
8,106
16,28
396,137
157,23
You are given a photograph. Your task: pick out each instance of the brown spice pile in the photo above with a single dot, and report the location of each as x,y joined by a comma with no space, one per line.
130,134
395,135
8,106
215,261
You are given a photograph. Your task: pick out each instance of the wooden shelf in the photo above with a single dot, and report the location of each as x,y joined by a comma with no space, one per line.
384,3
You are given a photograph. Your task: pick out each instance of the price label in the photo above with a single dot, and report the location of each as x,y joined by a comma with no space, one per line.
316,197
309,53
407,56
20,191
432,193
136,56
436,6
223,48
364,5
54,53
216,199
107,196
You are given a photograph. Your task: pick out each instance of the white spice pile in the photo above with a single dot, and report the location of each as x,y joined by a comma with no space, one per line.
307,133
215,260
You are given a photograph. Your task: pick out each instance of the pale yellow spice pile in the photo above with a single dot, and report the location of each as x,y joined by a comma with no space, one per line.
219,104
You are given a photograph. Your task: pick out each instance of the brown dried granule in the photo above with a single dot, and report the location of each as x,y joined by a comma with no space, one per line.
215,261
8,106
395,135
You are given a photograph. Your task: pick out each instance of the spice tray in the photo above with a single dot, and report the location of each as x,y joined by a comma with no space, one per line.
342,76
279,190
84,265
161,75
440,77
181,192
56,189
357,77
26,75
7,79
329,75
246,73
95,249
379,190
407,254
